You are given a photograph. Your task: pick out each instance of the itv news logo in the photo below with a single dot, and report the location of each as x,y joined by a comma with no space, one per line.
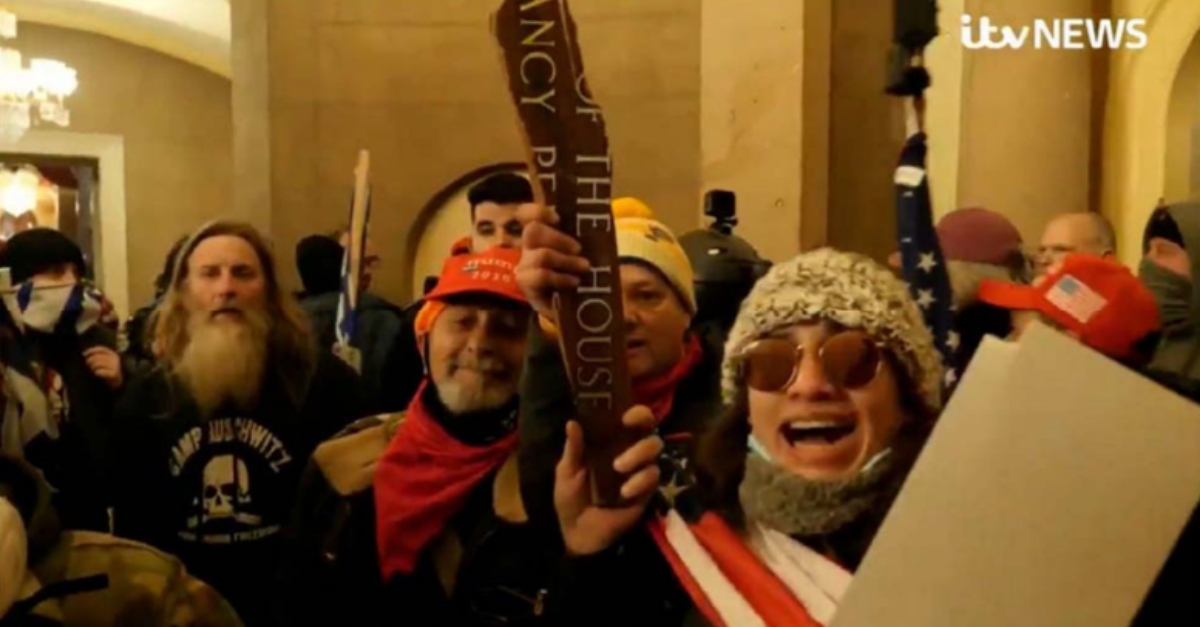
1059,34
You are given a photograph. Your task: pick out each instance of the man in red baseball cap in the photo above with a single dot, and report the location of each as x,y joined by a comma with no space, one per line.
431,496
1094,299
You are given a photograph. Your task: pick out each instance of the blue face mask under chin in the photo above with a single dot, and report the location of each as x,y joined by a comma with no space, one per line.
758,449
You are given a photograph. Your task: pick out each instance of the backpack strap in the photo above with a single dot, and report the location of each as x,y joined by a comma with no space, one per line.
58,590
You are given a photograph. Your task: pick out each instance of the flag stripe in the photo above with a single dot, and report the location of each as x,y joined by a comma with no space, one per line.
924,265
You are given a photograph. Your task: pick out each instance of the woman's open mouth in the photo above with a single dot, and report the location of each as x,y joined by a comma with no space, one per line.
825,432
823,446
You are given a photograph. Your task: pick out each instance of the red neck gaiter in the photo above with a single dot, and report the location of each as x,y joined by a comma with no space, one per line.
659,393
423,480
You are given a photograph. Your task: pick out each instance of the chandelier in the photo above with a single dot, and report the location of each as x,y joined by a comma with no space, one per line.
19,190
26,93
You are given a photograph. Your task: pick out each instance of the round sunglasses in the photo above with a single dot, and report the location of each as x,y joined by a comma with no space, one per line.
849,360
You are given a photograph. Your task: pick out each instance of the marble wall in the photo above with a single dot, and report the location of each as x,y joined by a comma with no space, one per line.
420,85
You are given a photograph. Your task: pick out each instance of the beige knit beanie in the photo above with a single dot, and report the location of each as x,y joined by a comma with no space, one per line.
848,289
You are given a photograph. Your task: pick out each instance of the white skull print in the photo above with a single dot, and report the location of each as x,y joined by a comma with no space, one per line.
226,489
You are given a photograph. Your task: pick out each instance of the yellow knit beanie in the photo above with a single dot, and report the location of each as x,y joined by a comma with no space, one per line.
641,237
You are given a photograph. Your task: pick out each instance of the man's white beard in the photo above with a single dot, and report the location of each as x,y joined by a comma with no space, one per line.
224,360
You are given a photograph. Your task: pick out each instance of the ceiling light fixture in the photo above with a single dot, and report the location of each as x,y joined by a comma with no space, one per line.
29,94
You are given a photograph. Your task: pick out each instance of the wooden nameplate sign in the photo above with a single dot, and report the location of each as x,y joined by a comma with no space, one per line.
571,170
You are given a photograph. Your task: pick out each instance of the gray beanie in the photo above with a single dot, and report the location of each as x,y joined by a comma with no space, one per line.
848,289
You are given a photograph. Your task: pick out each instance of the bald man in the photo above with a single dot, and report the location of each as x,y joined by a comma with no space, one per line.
1085,232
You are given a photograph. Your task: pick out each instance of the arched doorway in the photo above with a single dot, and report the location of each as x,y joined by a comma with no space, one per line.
1138,121
445,219
1183,130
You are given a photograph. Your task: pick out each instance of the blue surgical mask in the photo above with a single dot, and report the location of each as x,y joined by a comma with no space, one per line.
758,449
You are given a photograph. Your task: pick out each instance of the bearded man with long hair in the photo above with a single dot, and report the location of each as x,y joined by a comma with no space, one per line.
214,440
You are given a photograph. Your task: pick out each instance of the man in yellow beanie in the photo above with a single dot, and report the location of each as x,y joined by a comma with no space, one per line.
657,284
642,239
675,372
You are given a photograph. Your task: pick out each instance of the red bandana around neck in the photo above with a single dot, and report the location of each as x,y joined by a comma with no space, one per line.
659,393
423,480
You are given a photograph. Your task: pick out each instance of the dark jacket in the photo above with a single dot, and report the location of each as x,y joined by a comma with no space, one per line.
137,330
381,338
973,323
137,358
631,579
88,579
1172,599
216,492
488,569
52,367
405,368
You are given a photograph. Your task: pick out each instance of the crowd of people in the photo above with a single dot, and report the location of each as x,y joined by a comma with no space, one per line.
222,467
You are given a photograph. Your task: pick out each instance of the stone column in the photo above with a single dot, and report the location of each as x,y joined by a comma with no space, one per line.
251,114
866,131
764,117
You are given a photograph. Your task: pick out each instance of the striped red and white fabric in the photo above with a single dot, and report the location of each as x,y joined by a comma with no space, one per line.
766,579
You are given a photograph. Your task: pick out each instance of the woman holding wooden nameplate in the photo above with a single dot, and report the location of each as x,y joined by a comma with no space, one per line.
834,384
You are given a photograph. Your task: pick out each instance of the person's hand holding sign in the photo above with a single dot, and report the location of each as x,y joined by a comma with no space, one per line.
550,259
586,528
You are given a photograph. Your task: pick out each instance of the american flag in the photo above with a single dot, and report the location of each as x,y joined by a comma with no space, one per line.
347,317
921,254
352,263
1075,298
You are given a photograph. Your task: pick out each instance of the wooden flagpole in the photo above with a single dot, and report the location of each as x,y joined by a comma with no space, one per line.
357,236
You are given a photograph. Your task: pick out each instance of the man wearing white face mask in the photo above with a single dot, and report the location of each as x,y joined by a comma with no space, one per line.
63,368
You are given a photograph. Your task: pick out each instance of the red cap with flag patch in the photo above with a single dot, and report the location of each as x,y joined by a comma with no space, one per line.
1097,299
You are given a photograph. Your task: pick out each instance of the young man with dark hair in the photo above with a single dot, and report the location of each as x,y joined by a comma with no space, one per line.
494,203
389,373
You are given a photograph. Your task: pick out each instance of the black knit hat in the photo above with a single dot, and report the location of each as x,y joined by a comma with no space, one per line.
38,250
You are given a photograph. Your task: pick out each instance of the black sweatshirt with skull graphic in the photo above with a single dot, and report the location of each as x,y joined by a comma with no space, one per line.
216,492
